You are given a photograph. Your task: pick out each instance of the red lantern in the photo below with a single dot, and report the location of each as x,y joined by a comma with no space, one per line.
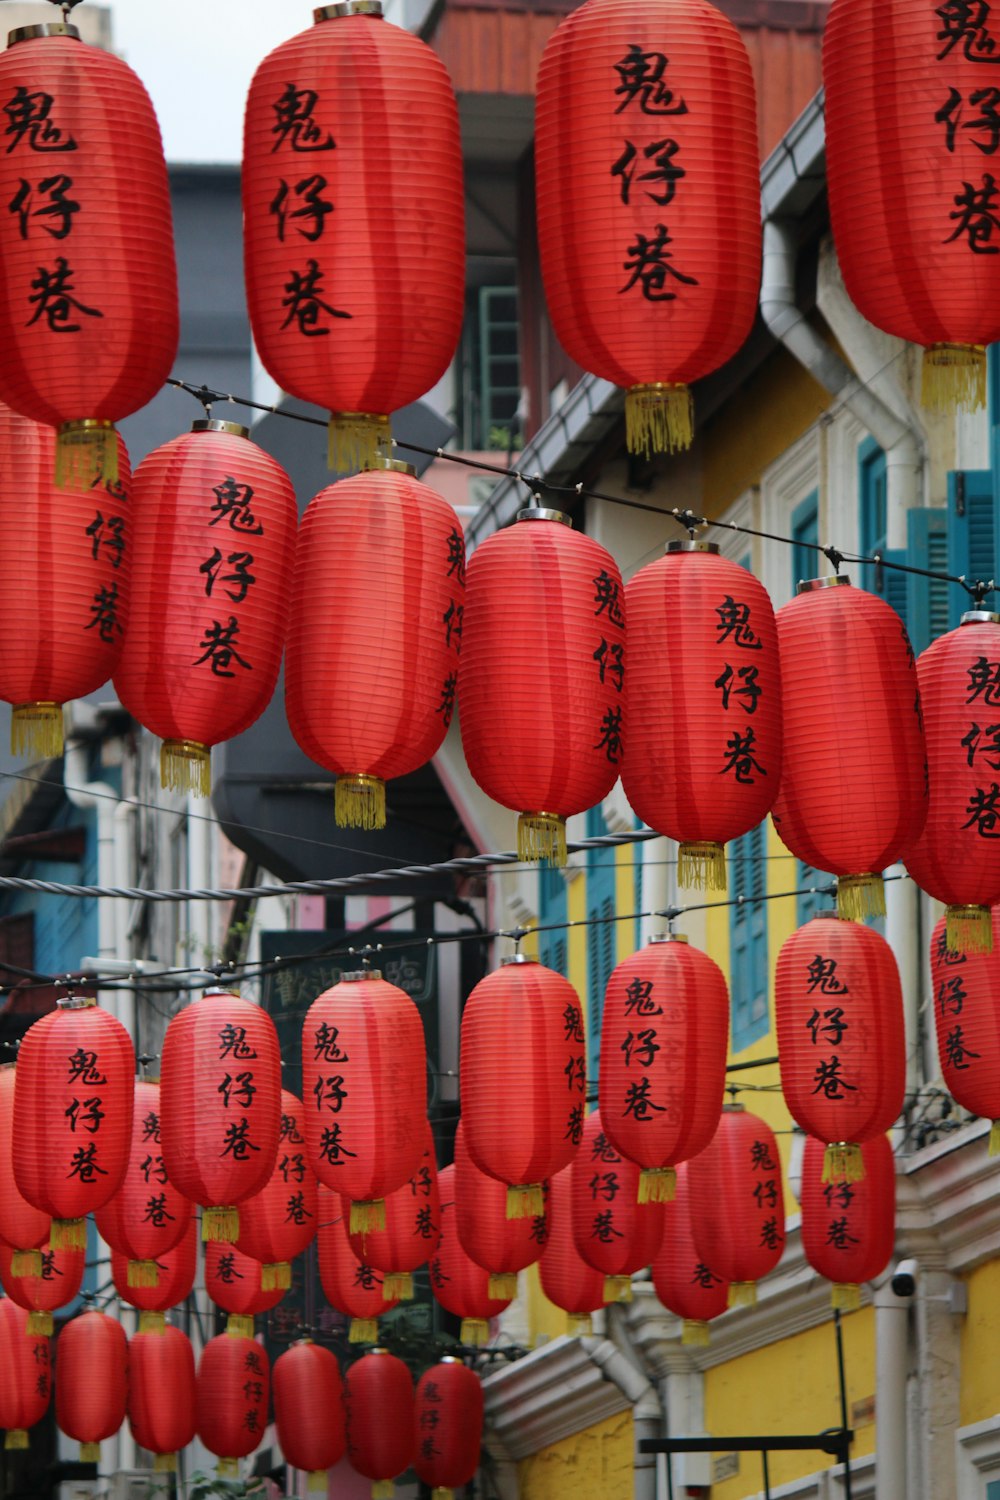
378,1407
614,1233
955,859
175,1272
161,1395
684,1284
221,1106
849,1228
663,1058
966,989
309,1410
522,1038
654,105
23,1229
73,1112
232,1394
364,1071
25,1375
349,1284
376,628
447,1426
213,551
897,77
235,1282
147,1216
737,1202
566,1278
853,792
500,1245
703,756
412,1227
358,101
541,686
54,1286
88,291
64,572
279,1223
459,1285
838,1007
91,1381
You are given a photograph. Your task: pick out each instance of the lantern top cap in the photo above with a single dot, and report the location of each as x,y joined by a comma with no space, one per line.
357,975
219,989
351,8
517,958
383,465
669,937
734,1109
810,585
75,1002
50,28
450,1359
690,545
541,513
378,1350
824,916
979,617
213,424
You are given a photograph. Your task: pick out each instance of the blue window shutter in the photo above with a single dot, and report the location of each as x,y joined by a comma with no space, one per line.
971,535
748,937
601,945
552,909
993,1490
809,902
926,598
805,529
872,512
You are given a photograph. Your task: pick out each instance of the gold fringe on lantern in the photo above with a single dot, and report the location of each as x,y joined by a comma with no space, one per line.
359,802
474,1331
398,1286
152,1322
968,929
579,1325
240,1325
186,766
68,1234
17,1438
90,1453
441,1492
860,896
702,866
357,440
383,1489
618,1289
228,1468
657,1185
845,1296
526,1200
695,1331
221,1225
363,1331
994,1146
366,1217
954,375
843,1161
40,1325
277,1274
659,418
36,729
143,1273
742,1294
165,1463
502,1286
26,1263
317,1483
541,835
86,454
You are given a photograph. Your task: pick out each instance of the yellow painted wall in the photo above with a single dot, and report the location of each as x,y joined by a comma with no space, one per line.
625,859
980,1378
591,1465
543,1316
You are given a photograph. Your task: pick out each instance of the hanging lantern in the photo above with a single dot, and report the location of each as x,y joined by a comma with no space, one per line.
613,1231
412,1227
232,1394
376,628
175,1273
684,1284
541,686
235,1282
663,1058
737,1202
23,1229
502,1246
73,1114
459,1285
161,1395
64,574
955,859
88,293
566,1278
966,987
849,1228
25,1375
356,101
702,761
147,1216
447,1426
309,1411
212,556
853,790
378,1411
350,1285
364,1080
41,1294
838,1007
91,1381
897,79
221,1106
278,1223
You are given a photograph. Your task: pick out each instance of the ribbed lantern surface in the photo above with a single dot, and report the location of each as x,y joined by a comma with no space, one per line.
541,687
22,1227
235,1283
502,1246
613,1231
849,1228
25,1375
523,1039
147,1216
161,1394
309,1410
350,1285
663,1058
355,223
566,1278
737,1202
378,1407
220,1106
684,1284
966,990
212,560
447,1426
91,1381
43,1292
462,1287
853,786
278,1223
412,1226
175,1273
72,1114
231,1391
645,126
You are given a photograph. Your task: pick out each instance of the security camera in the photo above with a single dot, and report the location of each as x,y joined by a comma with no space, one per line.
904,1278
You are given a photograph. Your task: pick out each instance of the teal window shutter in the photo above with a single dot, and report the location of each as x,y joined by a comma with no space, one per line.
926,598
552,946
805,530
889,583
748,936
993,1490
601,945
971,536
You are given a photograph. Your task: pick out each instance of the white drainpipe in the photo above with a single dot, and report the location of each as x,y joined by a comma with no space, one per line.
892,1323
647,1413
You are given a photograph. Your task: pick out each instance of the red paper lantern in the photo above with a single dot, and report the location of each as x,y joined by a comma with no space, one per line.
350,1285
447,1426
279,1223
412,1227
653,104
364,1079
23,1229
684,1284
966,988
161,1395
738,1203
213,551
566,1278
849,1228
376,628
147,1216
663,1058
614,1233
461,1286
175,1272
91,1381
220,1106
88,290
541,686
500,1245
64,572
838,1007
853,788
232,1390
235,1282
378,1408
25,1375
522,1038
902,85
43,1293
309,1410
956,859
355,296
73,1114
702,760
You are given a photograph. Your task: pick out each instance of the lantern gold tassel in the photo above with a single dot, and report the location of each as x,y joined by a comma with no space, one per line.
397,1286
143,1273
579,1325
502,1286
474,1331
526,1200
152,1322
696,1333
363,1331
40,1325
383,1489
441,1492
618,1289
17,1438
843,1161
36,729
367,1217
165,1463
68,1234
317,1483
659,418
954,375
657,1185
90,1453
221,1225
359,802
702,866
860,896
274,1275
968,929
26,1263
357,440
240,1326
994,1147
186,766
228,1468
845,1296
86,454
541,835
742,1294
